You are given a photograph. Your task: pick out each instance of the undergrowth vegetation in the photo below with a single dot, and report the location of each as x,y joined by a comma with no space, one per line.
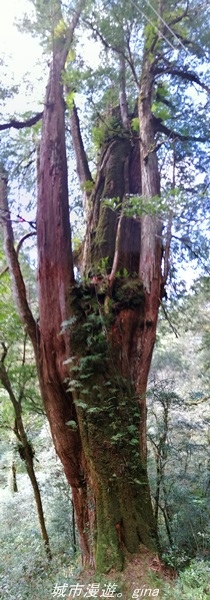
25,571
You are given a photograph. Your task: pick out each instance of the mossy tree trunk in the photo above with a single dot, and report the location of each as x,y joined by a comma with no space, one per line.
108,418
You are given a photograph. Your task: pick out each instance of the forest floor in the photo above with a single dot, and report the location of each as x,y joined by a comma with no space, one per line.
144,576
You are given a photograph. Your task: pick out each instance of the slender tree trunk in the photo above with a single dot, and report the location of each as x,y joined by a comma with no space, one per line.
14,485
27,454
151,241
55,278
37,496
74,538
28,458
167,525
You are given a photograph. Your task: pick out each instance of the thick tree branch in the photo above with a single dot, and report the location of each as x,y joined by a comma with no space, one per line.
183,74
159,127
83,170
180,17
21,124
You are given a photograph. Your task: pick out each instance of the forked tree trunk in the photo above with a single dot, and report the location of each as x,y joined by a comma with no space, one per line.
113,337
99,426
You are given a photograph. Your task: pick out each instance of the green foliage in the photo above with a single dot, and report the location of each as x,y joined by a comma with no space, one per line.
178,423
137,206
6,91
101,395
24,570
160,111
60,30
113,203
70,100
109,127
44,22
88,186
72,424
135,124
192,583
150,35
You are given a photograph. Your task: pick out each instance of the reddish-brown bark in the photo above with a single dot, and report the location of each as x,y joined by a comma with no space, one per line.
55,277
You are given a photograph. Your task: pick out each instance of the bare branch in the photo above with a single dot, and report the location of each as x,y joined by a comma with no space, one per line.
169,320
22,240
19,246
14,267
4,353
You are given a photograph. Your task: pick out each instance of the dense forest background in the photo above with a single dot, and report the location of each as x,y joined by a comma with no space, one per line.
105,305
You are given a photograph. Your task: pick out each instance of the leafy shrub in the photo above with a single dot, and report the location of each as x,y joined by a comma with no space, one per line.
193,583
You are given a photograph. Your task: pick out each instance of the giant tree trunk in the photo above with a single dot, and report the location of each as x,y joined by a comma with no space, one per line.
99,424
113,335
103,341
